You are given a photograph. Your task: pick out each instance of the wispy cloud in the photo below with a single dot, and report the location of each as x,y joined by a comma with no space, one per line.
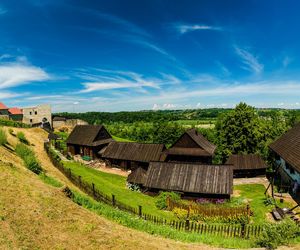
184,28
113,79
286,61
250,62
19,72
2,11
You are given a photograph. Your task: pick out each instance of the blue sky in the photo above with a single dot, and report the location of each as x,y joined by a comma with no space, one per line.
135,55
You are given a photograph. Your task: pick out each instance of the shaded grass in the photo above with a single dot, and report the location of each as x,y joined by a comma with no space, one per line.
115,184
134,222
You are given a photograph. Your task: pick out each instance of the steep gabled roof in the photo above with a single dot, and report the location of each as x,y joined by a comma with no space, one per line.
243,162
288,147
89,135
15,111
192,143
132,151
3,106
190,178
137,176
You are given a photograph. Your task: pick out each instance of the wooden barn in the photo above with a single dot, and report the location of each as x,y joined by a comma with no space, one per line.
87,140
193,180
287,154
190,147
250,165
131,155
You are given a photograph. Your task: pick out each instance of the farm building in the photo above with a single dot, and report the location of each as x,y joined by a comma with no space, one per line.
59,122
193,180
16,114
247,165
131,155
287,154
190,147
4,114
87,140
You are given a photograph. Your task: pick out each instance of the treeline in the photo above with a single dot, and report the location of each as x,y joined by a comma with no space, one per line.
145,116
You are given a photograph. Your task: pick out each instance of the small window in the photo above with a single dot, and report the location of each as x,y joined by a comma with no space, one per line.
35,112
292,171
30,120
30,113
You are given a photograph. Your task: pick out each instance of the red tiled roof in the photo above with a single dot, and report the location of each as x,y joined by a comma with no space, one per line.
2,106
15,111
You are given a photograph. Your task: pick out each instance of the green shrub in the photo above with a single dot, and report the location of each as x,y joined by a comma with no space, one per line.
3,137
180,213
275,235
161,202
22,138
29,158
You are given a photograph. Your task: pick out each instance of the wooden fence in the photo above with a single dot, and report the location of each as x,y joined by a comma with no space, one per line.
224,230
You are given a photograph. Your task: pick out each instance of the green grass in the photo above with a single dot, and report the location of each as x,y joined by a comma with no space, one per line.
115,184
50,180
134,222
119,139
3,137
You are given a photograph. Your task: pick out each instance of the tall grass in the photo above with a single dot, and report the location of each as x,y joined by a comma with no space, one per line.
22,138
10,123
29,158
3,137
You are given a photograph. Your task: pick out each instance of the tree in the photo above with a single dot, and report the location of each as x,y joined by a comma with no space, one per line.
239,131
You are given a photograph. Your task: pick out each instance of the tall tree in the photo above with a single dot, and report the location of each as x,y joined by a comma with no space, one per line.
239,131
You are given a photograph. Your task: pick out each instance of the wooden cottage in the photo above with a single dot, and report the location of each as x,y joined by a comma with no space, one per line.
247,165
87,140
192,146
131,155
193,180
287,154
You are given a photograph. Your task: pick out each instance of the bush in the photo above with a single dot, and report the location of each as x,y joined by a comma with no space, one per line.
275,235
29,158
133,187
161,202
10,123
3,137
180,213
22,138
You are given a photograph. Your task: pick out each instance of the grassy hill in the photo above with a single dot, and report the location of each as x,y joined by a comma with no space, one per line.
34,215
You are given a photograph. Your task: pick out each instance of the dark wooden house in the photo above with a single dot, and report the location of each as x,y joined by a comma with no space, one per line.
192,146
87,140
131,155
287,155
193,180
137,176
250,165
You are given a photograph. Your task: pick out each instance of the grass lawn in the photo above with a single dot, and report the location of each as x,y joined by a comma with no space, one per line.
119,139
254,193
115,184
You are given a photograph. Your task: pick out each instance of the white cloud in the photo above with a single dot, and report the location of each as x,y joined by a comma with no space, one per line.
184,28
250,62
17,73
7,95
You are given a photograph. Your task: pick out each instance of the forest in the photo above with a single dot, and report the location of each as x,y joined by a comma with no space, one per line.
243,129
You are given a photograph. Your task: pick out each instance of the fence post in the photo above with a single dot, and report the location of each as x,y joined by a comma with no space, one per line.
243,230
93,187
140,211
113,199
187,224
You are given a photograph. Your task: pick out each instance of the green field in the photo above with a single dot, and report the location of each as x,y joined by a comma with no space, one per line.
115,184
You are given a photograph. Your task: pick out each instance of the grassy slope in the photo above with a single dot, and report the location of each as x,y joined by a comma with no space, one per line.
34,215
121,139
115,184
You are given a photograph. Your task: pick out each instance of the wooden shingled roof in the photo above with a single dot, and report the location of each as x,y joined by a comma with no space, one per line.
132,151
89,135
288,147
192,143
190,178
250,161
137,176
